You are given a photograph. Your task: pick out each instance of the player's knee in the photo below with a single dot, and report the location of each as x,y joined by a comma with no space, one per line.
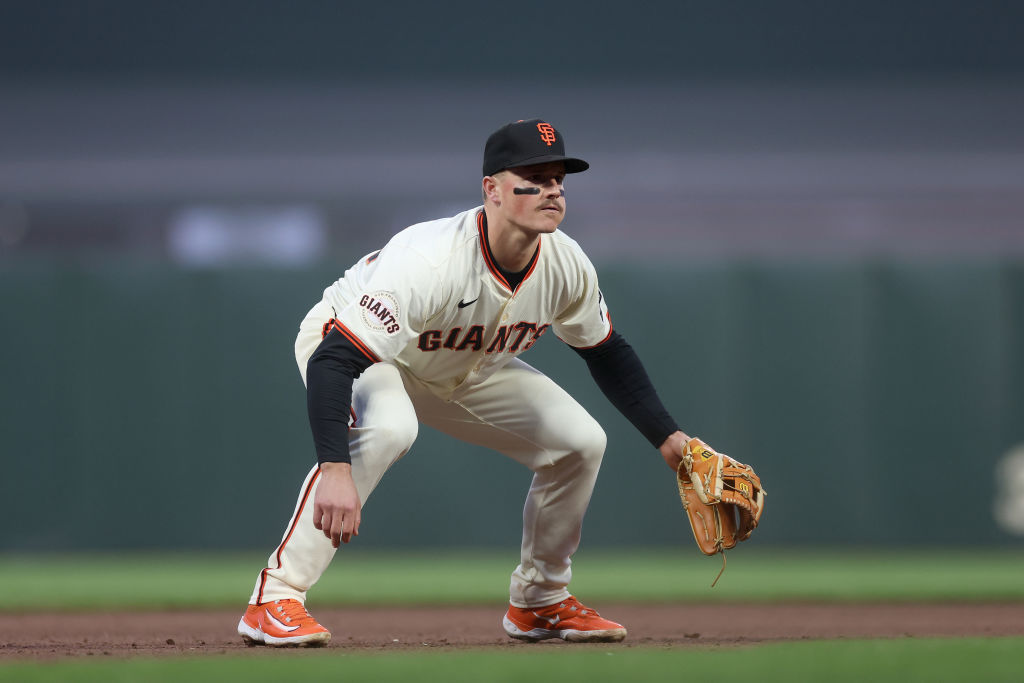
396,437
589,442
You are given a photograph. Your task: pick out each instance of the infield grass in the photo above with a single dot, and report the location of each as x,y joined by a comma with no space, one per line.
160,581
969,659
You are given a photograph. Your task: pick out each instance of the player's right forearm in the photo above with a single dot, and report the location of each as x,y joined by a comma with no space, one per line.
328,401
329,375
341,469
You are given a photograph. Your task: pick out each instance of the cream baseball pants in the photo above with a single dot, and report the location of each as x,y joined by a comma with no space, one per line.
518,412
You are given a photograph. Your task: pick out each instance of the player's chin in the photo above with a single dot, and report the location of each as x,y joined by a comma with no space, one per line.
550,220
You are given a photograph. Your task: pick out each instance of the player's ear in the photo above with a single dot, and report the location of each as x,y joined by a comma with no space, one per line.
490,190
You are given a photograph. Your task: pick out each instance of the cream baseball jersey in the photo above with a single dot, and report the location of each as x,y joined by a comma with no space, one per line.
434,302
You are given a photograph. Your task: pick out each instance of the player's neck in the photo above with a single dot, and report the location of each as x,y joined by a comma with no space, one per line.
511,247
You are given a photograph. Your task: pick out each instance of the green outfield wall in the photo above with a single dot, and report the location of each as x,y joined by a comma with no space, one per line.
146,406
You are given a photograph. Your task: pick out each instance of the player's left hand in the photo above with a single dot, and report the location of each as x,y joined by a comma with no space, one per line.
672,449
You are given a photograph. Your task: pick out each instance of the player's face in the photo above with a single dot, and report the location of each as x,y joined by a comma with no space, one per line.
540,212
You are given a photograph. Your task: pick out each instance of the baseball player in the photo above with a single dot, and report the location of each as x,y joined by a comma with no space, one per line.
430,329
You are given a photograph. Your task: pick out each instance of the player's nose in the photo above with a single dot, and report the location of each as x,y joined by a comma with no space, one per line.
553,187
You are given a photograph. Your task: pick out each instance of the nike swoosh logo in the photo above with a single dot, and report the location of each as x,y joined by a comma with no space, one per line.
278,624
553,622
463,304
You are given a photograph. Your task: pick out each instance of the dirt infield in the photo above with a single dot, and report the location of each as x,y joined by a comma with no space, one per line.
52,636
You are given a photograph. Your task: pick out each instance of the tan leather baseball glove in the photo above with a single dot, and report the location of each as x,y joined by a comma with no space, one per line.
723,498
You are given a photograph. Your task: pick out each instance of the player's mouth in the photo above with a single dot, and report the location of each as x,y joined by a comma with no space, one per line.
547,208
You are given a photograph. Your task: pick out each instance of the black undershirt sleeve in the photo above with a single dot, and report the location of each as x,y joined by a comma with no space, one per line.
620,375
329,375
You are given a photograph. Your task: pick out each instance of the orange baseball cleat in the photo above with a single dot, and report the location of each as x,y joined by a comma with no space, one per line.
569,620
281,623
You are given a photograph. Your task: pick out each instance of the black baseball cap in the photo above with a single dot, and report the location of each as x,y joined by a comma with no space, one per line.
524,143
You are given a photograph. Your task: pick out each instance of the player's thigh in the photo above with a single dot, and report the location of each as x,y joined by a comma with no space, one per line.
382,421
521,412
311,333
382,407
383,425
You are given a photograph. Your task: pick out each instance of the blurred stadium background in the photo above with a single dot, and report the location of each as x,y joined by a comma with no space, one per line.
807,217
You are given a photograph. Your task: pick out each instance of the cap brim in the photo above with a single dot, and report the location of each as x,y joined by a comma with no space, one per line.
572,165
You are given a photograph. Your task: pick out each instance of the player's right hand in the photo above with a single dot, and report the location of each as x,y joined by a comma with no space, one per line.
336,506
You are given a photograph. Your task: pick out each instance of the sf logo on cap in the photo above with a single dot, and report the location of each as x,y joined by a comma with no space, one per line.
547,133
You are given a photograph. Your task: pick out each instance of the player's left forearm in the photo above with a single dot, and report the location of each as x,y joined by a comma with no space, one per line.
621,376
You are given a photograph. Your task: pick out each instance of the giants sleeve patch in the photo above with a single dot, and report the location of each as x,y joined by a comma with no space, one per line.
380,311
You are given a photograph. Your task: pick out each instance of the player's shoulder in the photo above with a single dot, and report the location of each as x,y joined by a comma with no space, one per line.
563,241
563,247
436,240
